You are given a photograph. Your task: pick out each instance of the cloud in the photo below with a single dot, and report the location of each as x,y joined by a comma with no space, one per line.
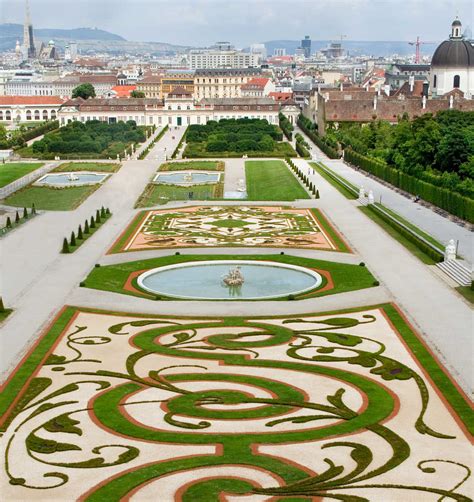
202,22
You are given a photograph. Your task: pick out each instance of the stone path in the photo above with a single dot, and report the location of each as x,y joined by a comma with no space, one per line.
234,171
434,224
38,281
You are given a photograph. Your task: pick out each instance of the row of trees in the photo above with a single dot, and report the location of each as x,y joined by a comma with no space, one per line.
286,126
93,137
436,149
326,144
86,91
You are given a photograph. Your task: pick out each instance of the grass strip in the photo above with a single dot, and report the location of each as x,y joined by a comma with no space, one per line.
105,167
393,232
92,231
334,181
51,199
331,231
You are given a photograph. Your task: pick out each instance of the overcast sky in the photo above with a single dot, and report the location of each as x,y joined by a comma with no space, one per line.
202,22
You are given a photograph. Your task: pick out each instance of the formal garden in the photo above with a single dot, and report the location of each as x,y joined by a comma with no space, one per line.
235,138
88,140
64,188
222,226
186,180
330,405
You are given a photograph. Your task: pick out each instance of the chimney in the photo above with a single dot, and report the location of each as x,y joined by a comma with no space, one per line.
411,82
426,86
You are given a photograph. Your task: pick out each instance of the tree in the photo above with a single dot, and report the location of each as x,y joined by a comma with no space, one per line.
79,233
73,239
25,213
86,227
9,222
84,91
17,217
65,246
137,94
92,225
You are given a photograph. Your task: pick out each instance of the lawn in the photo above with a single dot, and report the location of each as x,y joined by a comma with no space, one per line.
159,193
105,167
52,199
346,277
13,171
205,165
272,180
467,292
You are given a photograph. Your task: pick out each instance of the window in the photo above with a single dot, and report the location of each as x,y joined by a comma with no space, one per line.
435,80
28,114
37,115
45,115
457,81
53,114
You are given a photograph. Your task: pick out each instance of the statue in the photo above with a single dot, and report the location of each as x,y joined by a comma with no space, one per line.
450,251
241,185
234,277
72,177
371,197
361,193
188,177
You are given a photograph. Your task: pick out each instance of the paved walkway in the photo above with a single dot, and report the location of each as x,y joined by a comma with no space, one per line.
164,148
234,172
434,224
38,281
443,318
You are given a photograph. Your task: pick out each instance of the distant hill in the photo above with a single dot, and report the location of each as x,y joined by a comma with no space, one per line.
88,40
355,47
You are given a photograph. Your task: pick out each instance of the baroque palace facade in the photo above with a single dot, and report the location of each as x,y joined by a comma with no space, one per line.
178,109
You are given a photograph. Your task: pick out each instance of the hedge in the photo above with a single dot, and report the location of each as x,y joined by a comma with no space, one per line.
445,199
316,139
286,126
420,244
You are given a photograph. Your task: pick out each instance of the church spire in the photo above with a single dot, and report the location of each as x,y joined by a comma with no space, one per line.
28,42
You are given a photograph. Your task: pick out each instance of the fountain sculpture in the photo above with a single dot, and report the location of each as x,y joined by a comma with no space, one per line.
72,177
188,177
234,277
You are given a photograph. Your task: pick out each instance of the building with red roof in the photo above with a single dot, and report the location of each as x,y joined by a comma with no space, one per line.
29,108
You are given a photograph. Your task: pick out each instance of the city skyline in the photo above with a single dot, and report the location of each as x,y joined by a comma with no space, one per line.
202,22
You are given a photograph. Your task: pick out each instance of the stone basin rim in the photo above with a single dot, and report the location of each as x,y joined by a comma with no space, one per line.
315,275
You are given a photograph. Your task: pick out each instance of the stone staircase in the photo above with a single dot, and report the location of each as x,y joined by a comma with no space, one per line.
456,271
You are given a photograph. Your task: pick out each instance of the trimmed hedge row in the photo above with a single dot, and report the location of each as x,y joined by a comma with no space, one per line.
445,199
316,139
286,126
420,244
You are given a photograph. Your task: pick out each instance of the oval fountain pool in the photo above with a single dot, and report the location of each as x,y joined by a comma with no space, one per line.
72,179
214,280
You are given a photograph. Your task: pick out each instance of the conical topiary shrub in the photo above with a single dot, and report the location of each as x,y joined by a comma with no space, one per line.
102,212
92,222
107,212
17,217
65,246
25,213
73,239
86,227
79,233
33,208
9,222
317,194
97,216
2,306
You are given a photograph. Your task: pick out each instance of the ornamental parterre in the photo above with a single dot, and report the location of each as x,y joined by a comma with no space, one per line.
218,226
335,406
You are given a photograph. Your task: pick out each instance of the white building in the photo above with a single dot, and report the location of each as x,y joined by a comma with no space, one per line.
176,110
452,65
223,56
29,108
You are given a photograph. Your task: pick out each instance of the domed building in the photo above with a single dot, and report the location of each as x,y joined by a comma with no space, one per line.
452,65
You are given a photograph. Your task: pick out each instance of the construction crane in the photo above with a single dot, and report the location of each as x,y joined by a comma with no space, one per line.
418,45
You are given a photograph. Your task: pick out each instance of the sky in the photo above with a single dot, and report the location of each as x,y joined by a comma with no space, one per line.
242,22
